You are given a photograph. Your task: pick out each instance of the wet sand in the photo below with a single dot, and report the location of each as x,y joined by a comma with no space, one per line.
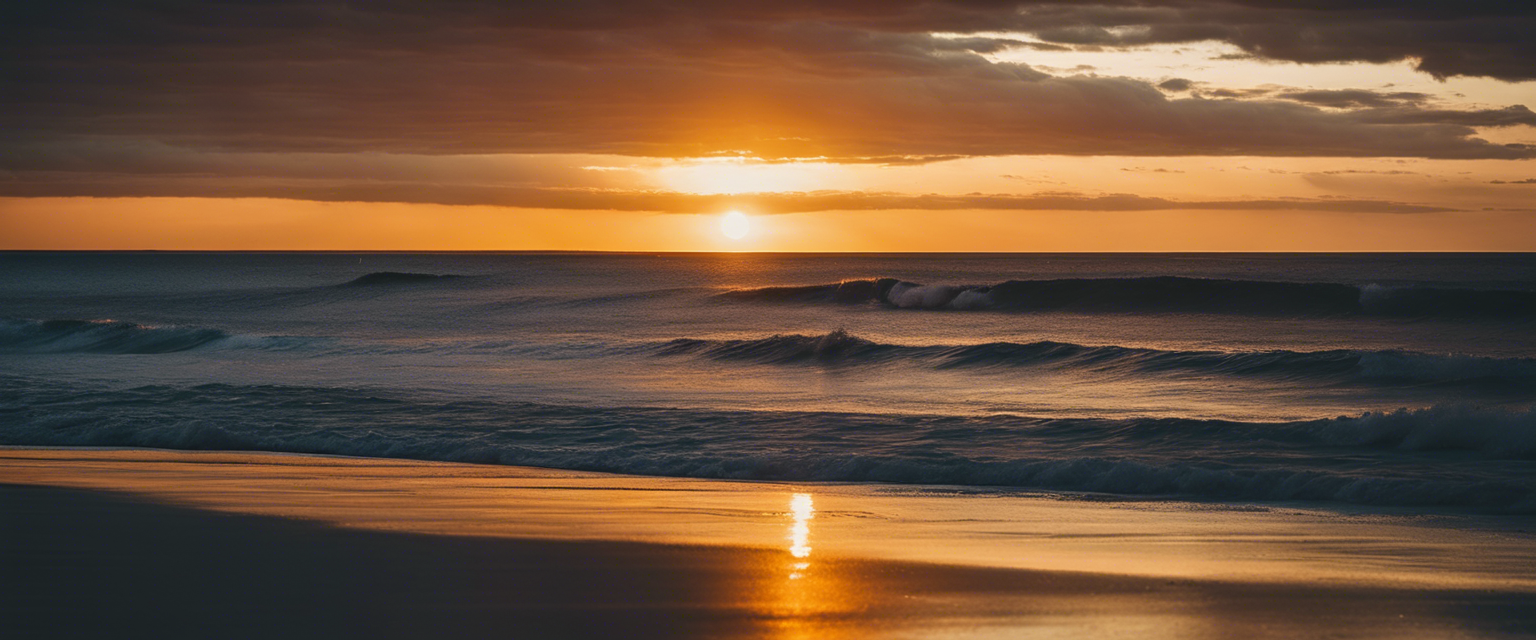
163,544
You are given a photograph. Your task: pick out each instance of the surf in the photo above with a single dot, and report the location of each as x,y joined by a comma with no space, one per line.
1159,294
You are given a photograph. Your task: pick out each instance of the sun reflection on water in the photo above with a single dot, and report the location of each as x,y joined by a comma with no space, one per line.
802,509
802,602
801,598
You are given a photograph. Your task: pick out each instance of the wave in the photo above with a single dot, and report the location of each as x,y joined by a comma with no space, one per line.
117,337
1160,294
837,347
1456,458
1494,433
841,348
385,278
362,289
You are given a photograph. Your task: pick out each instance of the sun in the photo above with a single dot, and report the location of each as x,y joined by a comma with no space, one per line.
735,225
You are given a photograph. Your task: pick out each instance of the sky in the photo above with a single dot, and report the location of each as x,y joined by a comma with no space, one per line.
834,125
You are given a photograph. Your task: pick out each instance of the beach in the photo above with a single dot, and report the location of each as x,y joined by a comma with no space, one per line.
767,446
828,319
191,544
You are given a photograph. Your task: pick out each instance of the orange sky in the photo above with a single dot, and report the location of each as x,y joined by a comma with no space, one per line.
839,126
269,224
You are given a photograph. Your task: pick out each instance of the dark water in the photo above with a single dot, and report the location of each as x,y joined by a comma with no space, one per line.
1387,380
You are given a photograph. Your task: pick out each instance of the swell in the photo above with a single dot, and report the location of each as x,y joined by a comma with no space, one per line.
387,278
1161,294
840,348
363,289
118,337
1458,458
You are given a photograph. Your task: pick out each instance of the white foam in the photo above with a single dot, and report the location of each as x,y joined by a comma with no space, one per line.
916,296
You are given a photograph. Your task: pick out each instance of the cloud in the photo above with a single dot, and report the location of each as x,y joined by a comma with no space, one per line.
848,81
1176,84
1353,98
1506,117
668,201
1389,172
1443,39
1525,181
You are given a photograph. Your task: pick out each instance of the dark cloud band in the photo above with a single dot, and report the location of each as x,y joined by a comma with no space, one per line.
678,202
837,79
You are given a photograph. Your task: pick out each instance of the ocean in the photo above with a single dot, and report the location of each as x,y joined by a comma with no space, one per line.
1397,382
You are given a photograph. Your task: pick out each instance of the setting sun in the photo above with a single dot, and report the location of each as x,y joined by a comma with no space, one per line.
735,225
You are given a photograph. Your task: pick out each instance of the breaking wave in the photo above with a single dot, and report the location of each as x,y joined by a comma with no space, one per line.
1161,294
841,348
113,336
1456,457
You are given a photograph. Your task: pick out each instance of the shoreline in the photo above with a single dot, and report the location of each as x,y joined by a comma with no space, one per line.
178,544
1245,542
96,563
1516,522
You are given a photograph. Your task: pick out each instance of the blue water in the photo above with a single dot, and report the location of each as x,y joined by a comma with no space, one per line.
1398,381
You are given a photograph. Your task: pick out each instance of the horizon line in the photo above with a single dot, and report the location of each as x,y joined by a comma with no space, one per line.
728,252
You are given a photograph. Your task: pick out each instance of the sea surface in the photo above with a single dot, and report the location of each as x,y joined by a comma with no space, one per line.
1400,382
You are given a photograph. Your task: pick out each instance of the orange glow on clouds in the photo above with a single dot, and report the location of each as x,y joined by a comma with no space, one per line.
743,175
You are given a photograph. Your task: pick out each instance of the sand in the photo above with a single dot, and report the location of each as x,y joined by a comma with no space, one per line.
135,543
